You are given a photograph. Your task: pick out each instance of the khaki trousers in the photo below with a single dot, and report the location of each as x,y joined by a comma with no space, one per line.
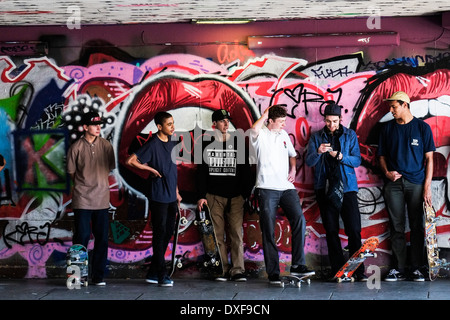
227,217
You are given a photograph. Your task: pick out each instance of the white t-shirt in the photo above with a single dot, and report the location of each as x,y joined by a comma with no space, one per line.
273,150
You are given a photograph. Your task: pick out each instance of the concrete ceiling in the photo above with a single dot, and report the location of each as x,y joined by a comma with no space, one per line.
95,12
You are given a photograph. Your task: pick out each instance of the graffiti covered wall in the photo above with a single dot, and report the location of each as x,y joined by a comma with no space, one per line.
41,102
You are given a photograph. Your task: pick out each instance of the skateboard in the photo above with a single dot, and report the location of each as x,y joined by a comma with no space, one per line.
77,270
212,260
294,280
176,261
366,250
434,262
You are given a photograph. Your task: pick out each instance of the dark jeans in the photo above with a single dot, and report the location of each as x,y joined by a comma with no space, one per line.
163,224
95,222
289,201
396,195
351,218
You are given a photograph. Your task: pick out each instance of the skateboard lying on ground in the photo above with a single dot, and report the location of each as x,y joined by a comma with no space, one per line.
77,266
366,250
434,262
176,261
212,261
294,280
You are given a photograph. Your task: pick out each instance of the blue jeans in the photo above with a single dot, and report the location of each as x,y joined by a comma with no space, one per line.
396,195
95,222
289,201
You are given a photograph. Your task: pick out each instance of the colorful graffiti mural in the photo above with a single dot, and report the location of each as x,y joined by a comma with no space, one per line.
41,104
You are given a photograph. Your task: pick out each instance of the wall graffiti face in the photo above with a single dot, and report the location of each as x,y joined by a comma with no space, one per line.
41,106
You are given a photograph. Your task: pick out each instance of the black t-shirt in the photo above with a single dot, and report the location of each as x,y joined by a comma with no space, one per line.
224,170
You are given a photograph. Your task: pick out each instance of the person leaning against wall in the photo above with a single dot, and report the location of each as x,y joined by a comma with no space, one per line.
405,151
90,160
275,174
224,182
155,157
334,153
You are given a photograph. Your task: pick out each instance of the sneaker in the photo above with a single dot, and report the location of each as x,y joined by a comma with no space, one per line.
394,275
274,279
165,282
222,278
151,279
417,276
361,277
240,277
302,271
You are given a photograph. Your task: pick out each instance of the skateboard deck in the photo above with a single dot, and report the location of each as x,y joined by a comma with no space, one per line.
176,261
294,280
212,260
77,270
434,262
367,250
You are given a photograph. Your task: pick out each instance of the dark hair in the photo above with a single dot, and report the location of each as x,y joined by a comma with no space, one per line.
161,116
277,111
401,102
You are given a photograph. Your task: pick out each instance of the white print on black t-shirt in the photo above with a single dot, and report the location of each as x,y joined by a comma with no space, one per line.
222,162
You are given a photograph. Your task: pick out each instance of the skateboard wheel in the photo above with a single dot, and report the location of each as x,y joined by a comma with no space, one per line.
217,263
196,222
69,262
298,284
374,255
361,255
352,279
339,280
206,222
205,264
179,265
308,281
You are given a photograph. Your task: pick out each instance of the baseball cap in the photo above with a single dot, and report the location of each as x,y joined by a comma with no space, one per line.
92,118
399,95
220,115
333,109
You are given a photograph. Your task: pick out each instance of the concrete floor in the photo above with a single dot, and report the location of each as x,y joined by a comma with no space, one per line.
211,299
201,289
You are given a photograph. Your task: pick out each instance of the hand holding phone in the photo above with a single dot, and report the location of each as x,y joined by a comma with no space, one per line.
325,147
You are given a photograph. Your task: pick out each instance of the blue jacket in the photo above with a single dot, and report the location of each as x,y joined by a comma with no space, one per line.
351,159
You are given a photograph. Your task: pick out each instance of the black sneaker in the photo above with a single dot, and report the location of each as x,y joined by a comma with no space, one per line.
165,282
395,275
222,278
275,279
151,278
361,277
302,271
417,276
239,277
